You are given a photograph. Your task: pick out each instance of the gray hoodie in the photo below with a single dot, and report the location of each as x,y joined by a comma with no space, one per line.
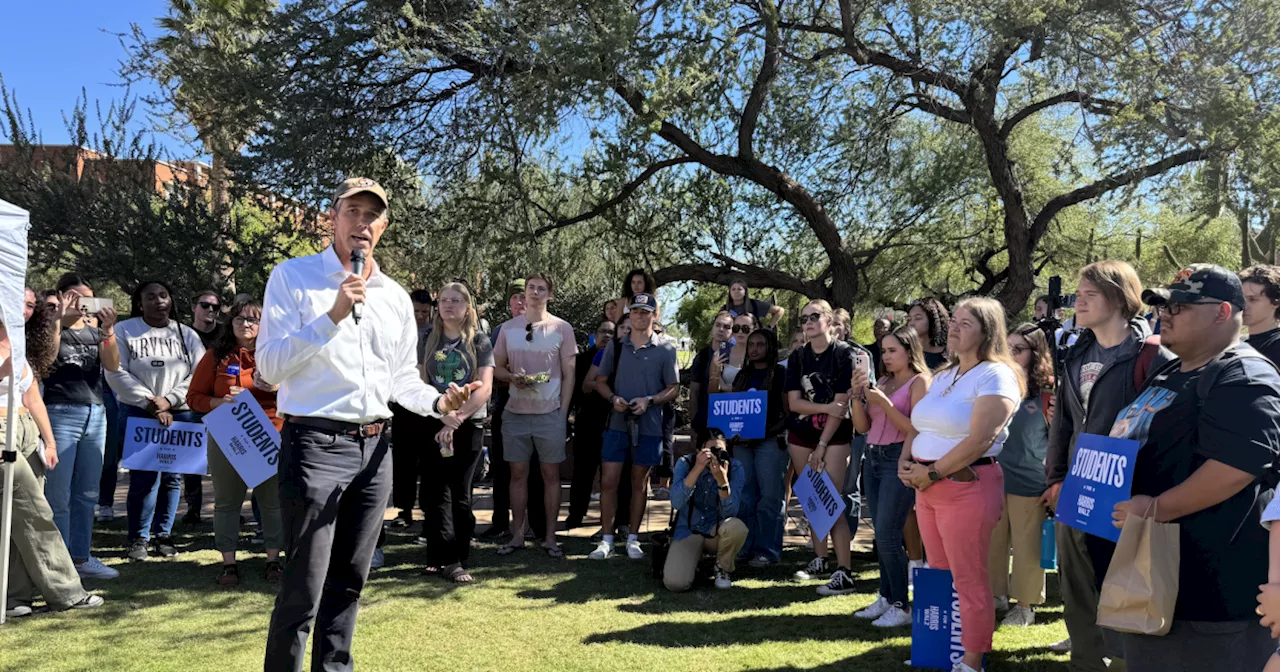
155,362
1111,393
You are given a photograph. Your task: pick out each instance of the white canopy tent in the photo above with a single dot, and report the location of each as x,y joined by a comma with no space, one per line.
14,222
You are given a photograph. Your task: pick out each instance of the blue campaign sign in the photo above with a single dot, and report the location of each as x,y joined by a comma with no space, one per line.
179,448
820,499
935,621
740,414
1101,476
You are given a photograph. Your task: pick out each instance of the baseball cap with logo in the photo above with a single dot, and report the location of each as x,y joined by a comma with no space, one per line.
1198,282
644,302
356,185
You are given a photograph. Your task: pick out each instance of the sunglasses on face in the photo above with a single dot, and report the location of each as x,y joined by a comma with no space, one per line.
208,306
1172,309
247,321
742,329
811,317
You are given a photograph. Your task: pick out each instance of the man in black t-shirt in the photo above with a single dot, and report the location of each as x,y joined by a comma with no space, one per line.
721,332
1202,454
1261,285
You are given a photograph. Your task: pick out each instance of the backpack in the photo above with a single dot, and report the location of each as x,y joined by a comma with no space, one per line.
1147,355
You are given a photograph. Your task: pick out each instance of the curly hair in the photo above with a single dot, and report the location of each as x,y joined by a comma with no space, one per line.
1269,277
41,336
938,319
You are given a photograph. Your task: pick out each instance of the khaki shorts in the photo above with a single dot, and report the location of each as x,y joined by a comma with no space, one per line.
523,434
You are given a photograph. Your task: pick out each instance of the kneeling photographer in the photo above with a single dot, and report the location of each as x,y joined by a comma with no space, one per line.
704,497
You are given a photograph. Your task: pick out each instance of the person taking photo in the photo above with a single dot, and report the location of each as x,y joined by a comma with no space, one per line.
705,500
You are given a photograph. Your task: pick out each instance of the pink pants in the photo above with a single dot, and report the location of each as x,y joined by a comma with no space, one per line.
956,521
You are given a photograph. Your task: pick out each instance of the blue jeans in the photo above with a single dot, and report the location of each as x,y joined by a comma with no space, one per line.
761,505
852,487
890,502
80,431
146,488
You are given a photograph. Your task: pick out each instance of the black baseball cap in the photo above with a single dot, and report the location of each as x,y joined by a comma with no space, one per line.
1196,283
644,302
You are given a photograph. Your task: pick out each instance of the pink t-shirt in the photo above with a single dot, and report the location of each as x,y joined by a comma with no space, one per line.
882,431
552,343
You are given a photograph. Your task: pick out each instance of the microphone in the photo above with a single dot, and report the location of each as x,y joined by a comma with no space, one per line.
357,267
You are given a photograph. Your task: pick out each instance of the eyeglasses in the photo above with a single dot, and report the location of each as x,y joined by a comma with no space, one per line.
247,321
742,329
1017,350
811,317
208,306
1172,309
528,332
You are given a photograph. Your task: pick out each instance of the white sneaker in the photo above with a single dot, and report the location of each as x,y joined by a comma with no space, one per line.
722,578
876,610
633,549
94,569
1019,617
911,566
1002,603
894,617
105,514
961,667
603,551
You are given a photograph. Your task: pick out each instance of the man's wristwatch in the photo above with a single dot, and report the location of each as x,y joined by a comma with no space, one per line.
724,488
934,476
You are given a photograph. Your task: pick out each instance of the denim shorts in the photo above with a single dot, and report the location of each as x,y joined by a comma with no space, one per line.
617,447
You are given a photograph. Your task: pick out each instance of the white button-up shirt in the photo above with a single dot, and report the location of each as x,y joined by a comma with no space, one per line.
345,371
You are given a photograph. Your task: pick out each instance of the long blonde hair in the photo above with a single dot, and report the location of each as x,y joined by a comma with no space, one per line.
470,322
994,348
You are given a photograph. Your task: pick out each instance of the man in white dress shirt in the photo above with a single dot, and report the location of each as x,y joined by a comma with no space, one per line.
337,377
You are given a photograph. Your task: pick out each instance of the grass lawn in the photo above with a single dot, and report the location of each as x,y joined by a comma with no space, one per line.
527,612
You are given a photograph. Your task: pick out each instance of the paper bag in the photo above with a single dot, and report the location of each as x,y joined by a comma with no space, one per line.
1141,587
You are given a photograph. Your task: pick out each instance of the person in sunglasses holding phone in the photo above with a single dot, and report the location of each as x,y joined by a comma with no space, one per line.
73,396
712,358
724,370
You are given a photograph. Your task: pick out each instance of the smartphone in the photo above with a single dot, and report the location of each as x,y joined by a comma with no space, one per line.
728,347
863,360
94,304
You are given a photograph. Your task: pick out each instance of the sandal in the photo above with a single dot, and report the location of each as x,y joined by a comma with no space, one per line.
553,552
508,549
431,570
459,574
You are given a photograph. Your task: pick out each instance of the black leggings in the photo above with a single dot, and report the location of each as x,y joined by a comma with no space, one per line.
446,492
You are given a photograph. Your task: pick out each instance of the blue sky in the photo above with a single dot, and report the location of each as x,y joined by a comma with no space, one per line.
53,49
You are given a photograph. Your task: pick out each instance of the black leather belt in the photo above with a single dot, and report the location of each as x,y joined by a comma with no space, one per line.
354,429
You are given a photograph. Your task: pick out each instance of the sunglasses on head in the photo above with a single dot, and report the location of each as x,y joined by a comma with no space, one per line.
741,329
811,317
208,306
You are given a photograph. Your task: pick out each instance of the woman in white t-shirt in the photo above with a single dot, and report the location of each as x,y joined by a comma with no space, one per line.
949,458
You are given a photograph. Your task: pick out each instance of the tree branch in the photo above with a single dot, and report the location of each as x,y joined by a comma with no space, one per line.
927,103
725,272
862,55
1091,103
623,194
1111,183
768,70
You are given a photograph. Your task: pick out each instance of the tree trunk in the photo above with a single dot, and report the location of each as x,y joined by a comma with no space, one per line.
1021,282
224,273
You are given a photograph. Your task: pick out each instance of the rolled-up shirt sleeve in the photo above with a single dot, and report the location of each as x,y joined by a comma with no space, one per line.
407,388
284,343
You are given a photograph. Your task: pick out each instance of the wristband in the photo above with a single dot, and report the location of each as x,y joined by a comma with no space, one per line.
823,445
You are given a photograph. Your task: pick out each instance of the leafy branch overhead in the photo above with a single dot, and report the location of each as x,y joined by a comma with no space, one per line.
814,147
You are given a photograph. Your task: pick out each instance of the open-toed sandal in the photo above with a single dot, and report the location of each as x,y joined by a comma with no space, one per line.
508,549
458,574
553,551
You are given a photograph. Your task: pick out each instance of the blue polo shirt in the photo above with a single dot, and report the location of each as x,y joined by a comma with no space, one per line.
642,372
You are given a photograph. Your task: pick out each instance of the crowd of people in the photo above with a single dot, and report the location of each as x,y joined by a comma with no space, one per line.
955,431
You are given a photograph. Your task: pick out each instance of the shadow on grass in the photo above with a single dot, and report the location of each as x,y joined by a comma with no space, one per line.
743,630
711,601
891,656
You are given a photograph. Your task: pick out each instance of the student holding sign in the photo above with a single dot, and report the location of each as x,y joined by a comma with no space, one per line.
157,358
765,460
225,371
960,427
818,380
883,412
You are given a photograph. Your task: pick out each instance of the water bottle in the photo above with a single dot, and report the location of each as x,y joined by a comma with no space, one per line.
1048,546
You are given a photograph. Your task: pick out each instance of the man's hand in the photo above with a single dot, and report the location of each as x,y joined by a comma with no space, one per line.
263,385
454,397
620,405
1050,496
639,405
164,418
451,421
106,320
1269,607
50,455
1140,505
160,404
350,292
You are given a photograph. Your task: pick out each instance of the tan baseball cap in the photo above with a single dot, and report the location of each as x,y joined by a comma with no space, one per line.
355,185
